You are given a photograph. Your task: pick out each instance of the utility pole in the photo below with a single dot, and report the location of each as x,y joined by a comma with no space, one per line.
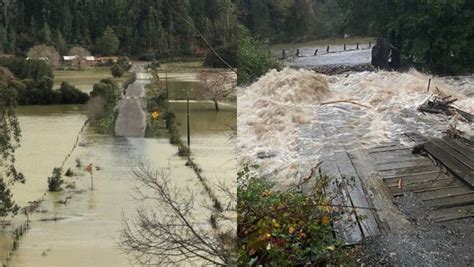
167,89
189,133
187,119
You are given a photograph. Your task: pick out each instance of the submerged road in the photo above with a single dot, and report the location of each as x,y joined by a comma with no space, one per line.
131,119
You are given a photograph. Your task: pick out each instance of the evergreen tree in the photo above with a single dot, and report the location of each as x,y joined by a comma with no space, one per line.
141,26
44,35
109,43
10,46
3,38
58,42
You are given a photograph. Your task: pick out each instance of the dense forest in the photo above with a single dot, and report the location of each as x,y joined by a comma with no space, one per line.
158,27
435,35
296,20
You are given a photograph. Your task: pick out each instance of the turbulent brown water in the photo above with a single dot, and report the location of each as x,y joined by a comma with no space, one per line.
274,126
89,226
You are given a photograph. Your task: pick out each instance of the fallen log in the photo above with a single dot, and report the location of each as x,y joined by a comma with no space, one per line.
345,101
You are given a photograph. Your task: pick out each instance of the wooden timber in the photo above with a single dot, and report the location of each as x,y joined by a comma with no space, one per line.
445,185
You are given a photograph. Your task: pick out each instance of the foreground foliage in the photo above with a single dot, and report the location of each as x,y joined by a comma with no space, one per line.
10,135
253,57
284,228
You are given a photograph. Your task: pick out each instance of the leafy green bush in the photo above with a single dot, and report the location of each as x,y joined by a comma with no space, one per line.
124,63
6,198
283,228
117,70
34,80
71,95
169,120
253,57
183,150
107,89
55,181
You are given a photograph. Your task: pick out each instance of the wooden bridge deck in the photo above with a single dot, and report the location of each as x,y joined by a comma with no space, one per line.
437,180
443,181
368,180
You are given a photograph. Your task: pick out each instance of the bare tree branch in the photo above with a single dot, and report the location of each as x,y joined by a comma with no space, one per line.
174,232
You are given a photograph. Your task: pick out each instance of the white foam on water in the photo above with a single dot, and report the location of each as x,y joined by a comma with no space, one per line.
282,111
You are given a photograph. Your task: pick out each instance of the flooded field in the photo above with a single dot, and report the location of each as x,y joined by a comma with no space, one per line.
80,227
356,57
212,144
284,122
184,81
85,79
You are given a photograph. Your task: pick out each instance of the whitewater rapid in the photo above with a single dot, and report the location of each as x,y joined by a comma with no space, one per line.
284,127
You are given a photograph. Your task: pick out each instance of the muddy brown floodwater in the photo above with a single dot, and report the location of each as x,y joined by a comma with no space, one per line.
281,115
87,227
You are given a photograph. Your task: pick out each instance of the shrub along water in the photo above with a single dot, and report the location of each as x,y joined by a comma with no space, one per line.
55,181
119,68
101,107
253,57
33,82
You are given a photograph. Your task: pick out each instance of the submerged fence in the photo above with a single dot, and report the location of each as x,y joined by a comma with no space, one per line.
288,53
19,231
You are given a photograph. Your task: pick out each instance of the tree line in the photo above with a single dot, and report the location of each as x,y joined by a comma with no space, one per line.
31,83
132,27
294,20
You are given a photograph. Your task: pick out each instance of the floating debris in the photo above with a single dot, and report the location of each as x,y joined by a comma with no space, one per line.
443,105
